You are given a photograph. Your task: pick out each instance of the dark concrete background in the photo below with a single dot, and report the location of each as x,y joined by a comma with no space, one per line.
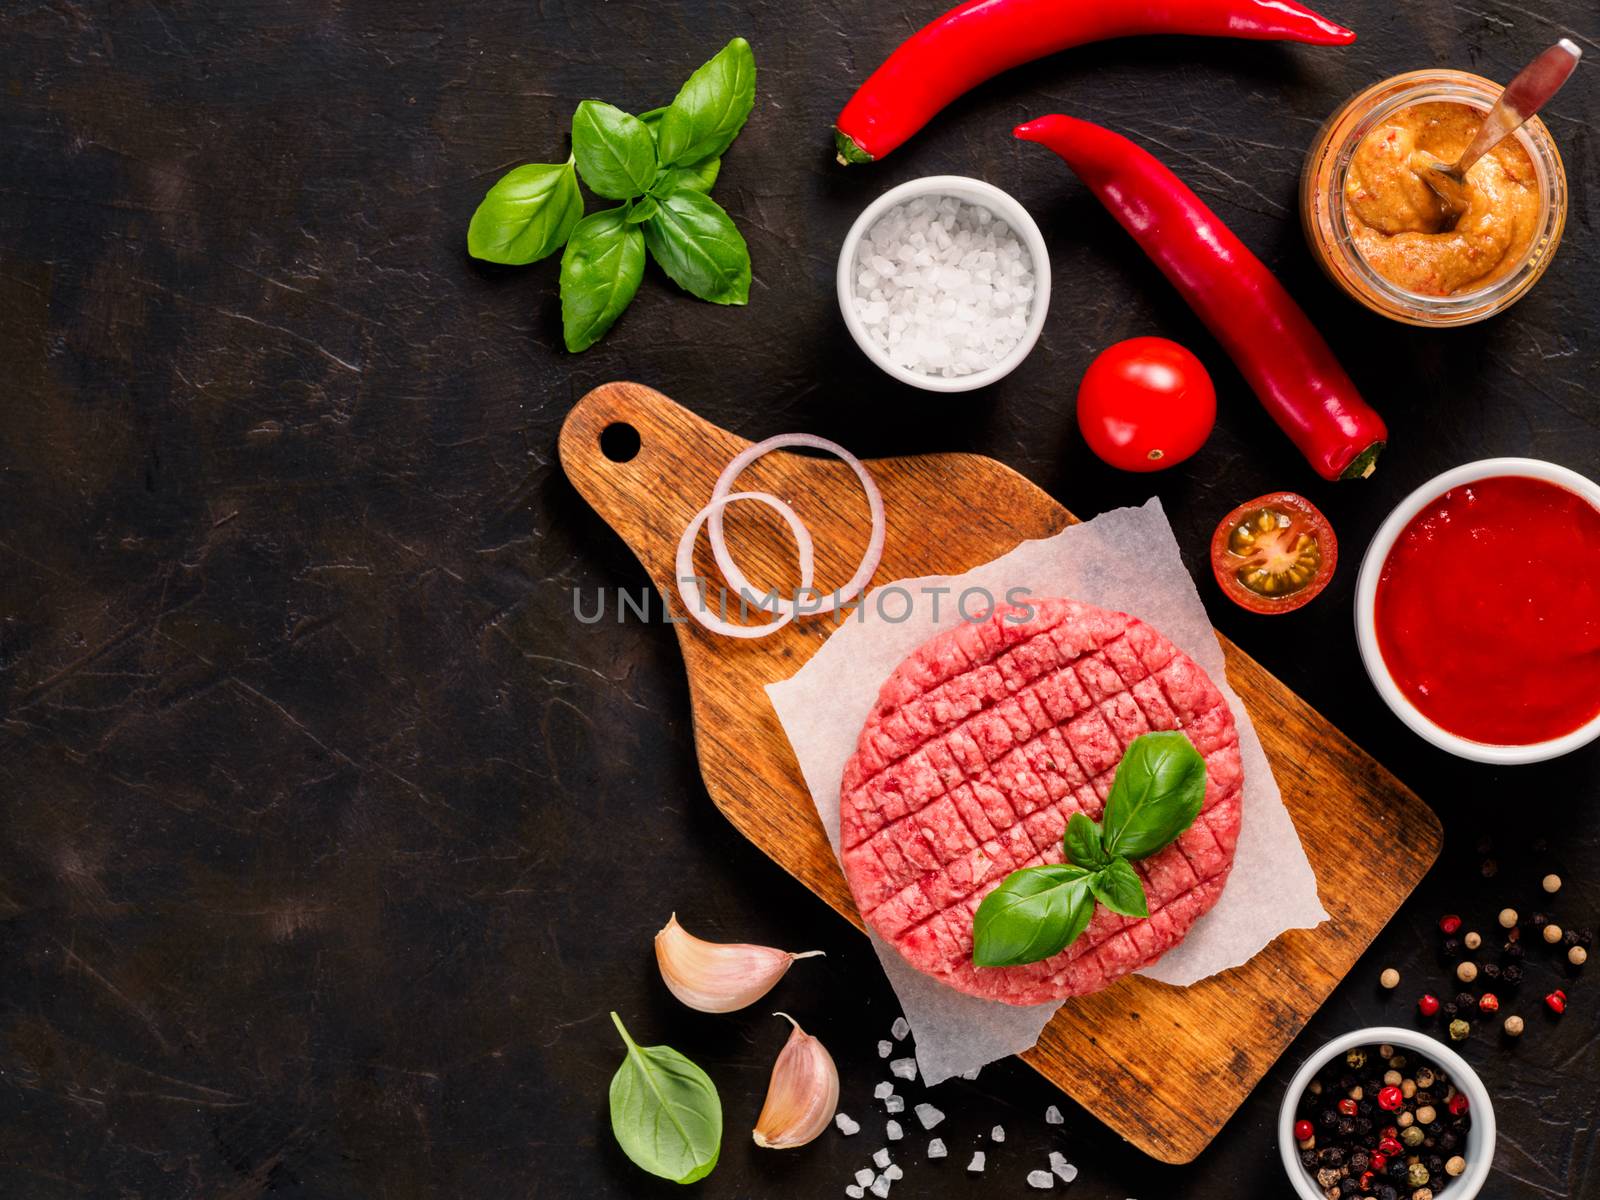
329,835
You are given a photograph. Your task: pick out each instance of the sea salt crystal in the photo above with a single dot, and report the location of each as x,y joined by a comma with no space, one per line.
894,1104
881,1158
928,1115
997,1134
864,1176
936,1148
1052,1116
846,1126
883,1091
893,1171
885,1049
880,1187
893,1132
977,1162
900,1029
1060,1165
854,1192
1042,1180
903,1068
943,288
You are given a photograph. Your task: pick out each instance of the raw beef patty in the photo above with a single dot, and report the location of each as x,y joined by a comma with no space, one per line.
981,746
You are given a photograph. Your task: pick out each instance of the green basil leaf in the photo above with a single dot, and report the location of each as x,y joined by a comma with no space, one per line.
1157,793
1082,842
527,215
642,209
697,177
699,247
1118,887
600,272
711,108
616,154
1034,913
665,1112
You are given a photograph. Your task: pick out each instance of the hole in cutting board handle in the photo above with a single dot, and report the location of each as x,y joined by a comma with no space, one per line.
619,442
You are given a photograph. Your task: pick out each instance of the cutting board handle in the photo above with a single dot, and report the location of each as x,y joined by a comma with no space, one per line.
645,464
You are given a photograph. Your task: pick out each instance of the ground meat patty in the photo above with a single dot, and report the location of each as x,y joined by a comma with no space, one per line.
981,746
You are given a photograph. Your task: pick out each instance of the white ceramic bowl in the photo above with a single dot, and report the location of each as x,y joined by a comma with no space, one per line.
1480,1137
1366,602
972,191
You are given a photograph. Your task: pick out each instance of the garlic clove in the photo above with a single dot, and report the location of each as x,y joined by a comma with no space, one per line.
718,977
802,1095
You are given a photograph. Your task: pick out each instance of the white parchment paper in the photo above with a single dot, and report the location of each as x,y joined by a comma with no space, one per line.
1126,560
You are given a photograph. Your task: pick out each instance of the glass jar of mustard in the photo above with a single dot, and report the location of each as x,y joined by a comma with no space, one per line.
1380,233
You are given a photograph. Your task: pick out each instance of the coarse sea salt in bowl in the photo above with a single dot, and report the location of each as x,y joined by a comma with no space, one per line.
944,283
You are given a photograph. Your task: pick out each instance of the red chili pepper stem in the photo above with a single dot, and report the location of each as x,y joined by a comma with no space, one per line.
978,40
1285,360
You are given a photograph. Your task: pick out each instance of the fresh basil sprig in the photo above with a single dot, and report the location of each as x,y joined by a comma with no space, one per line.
665,1112
661,165
1038,912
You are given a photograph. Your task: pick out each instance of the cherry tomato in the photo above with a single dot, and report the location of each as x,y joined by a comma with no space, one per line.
1274,553
1146,404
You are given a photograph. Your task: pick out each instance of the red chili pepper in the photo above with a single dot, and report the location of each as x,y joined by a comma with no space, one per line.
1273,342
977,40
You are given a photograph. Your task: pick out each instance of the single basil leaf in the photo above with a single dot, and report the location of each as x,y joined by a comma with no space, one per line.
1034,913
698,177
665,1112
1118,887
616,154
711,108
600,272
1082,842
528,214
699,247
642,209
1157,793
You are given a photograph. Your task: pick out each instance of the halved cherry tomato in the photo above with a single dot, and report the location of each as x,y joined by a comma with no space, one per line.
1274,553
1145,404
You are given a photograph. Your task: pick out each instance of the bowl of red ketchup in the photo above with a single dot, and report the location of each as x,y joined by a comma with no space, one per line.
1478,611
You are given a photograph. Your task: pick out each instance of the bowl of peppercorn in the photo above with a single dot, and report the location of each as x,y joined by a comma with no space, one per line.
1386,1114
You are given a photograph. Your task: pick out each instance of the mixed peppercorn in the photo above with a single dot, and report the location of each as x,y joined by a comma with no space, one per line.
1498,971
1382,1124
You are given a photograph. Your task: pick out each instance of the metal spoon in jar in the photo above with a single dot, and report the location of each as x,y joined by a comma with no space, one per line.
1524,96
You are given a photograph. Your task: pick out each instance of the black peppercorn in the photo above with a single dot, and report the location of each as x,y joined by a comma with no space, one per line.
1308,1159
1348,1186
1363,1124
1514,951
1540,920
1397,1168
1511,975
1449,1009
1448,1141
1569,939
1490,970
1346,1126
1466,1000
1586,938
1386,1192
1451,947
1328,1117
1360,1160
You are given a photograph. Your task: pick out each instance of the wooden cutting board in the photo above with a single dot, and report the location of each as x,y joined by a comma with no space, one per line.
1164,1067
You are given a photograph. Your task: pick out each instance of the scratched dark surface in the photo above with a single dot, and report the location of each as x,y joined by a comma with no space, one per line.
329,834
